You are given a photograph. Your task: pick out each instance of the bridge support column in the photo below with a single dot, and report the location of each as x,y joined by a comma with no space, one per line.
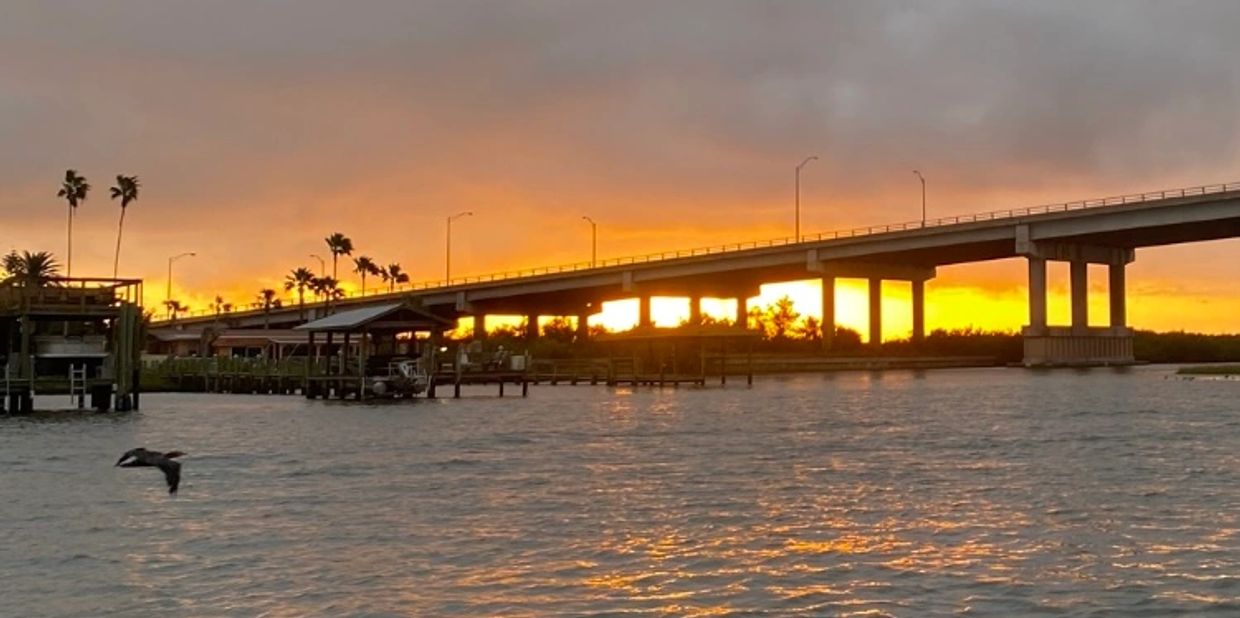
919,310
828,311
1037,293
1078,344
1080,295
531,326
695,310
480,327
742,312
643,312
876,311
583,326
1118,305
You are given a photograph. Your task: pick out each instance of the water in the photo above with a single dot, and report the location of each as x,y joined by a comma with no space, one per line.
982,492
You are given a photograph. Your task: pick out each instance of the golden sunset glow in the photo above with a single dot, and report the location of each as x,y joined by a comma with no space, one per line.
251,158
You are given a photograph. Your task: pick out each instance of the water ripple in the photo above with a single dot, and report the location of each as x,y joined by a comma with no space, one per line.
979,492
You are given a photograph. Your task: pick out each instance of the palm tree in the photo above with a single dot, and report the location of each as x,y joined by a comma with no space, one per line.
394,275
74,190
267,300
218,305
318,285
328,288
363,266
174,307
31,269
339,245
127,189
299,279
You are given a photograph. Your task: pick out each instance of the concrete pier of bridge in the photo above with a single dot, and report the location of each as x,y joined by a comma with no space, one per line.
1079,343
875,273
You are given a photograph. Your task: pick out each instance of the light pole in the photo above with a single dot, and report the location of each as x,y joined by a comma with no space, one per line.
593,241
447,261
322,264
168,294
798,194
923,197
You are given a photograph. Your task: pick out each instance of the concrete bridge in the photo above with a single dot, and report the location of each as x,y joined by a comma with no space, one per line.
1100,231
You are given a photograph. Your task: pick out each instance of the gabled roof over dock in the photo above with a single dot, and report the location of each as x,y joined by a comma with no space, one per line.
400,316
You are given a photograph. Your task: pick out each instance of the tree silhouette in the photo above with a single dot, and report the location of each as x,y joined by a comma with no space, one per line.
174,307
299,279
31,269
363,266
339,245
127,190
267,301
393,275
74,190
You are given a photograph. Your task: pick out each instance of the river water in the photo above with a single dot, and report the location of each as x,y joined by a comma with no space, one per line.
991,492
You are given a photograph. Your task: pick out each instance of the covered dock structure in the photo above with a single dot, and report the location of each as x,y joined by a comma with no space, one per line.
71,335
378,351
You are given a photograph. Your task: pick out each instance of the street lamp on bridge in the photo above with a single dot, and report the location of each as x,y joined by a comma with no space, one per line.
923,197
168,293
593,241
447,262
322,264
798,194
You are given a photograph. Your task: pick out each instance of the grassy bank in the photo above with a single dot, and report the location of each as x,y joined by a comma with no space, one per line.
1210,370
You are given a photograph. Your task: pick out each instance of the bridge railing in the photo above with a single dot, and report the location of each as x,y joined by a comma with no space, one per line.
1011,213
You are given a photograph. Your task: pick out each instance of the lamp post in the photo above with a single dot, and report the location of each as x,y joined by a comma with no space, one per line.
593,241
322,264
168,294
798,194
447,261
923,197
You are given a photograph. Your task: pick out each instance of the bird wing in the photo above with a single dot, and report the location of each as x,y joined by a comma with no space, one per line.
172,473
133,452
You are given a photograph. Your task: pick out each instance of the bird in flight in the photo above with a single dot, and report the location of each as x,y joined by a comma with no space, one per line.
141,457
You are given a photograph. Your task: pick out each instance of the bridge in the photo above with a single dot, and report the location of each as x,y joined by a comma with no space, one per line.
1104,231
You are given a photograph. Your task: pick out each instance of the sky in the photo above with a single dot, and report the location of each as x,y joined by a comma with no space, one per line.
257,128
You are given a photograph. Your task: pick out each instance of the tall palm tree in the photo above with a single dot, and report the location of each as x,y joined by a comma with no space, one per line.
394,275
363,266
267,301
31,269
74,190
339,245
299,279
127,189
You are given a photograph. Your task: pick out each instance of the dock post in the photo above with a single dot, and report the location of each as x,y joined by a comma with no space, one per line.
501,386
430,387
525,387
749,365
456,389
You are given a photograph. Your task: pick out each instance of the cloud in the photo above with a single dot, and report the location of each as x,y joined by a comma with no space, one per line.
259,127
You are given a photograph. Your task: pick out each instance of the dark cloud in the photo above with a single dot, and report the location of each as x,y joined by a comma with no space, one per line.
380,117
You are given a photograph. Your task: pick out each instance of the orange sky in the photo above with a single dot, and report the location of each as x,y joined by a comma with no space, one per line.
256,135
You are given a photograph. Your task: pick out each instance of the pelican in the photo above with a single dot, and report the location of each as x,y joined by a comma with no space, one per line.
141,457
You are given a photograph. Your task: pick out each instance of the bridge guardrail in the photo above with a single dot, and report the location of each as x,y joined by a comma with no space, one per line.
1011,213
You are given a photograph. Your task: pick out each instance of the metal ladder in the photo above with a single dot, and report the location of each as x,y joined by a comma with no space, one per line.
77,385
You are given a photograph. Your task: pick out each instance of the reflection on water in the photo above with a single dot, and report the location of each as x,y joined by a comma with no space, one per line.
993,492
